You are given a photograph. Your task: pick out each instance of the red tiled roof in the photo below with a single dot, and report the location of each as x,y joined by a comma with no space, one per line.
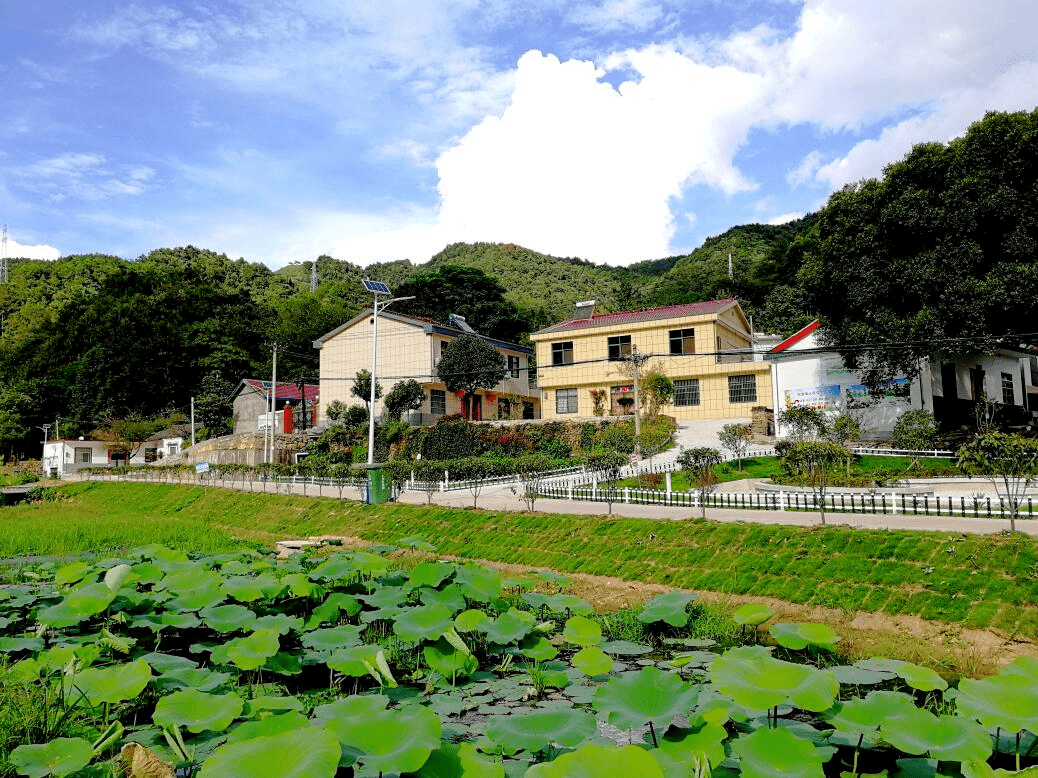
795,338
647,314
285,391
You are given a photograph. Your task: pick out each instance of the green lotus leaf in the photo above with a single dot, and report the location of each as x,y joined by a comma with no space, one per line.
298,753
246,588
459,761
71,573
469,621
671,607
1005,701
799,636
332,607
386,597
197,599
301,586
390,741
509,627
634,699
164,663
753,614
63,756
449,661
281,623
450,597
594,761
189,580
332,638
427,622
116,576
592,661
416,543
849,675
680,746
478,583
947,738
921,678
625,648
559,603
862,716
582,631
113,685
754,679
179,620
354,661
275,703
370,564
25,671
430,574
253,650
14,645
1024,666
537,730
984,770
269,726
203,679
538,648
228,618
78,605
767,753
198,711
335,568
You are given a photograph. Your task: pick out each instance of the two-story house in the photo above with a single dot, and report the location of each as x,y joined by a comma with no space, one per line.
705,348
410,348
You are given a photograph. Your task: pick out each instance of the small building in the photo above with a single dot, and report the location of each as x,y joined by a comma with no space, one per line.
706,348
251,403
410,348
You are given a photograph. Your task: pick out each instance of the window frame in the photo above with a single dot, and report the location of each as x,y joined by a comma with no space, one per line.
560,349
737,394
569,394
679,338
1008,389
689,386
514,365
615,347
433,402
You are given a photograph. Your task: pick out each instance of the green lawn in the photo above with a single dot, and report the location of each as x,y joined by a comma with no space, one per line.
976,581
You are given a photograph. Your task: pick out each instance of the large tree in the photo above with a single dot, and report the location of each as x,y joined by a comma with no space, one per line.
937,256
470,363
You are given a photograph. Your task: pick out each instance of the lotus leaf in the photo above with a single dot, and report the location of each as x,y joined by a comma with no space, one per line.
164,663
386,597
921,678
198,711
509,627
478,583
984,770
594,761
592,661
754,679
679,746
197,599
74,572
14,645
582,631
297,753
469,621
459,761
114,684
192,678
625,648
416,543
634,699
770,752
335,568
332,638
862,716
799,636
753,614
538,648
559,603
949,738
228,618
78,605
670,607
329,610
116,576
430,574
557,679
354,661
25,671
189,580
269,726
253,650
849,675
538,730
427,622
1023,666
179,620
63,756
450,597
301,586
449,661
1006,701
392,741
370,564
246,588
278,704
281,623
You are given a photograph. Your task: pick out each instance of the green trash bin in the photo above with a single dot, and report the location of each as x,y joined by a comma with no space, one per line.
380,486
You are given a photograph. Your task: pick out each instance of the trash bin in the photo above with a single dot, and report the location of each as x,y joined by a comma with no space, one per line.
380,485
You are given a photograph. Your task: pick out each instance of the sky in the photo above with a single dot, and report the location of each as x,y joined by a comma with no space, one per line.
611,130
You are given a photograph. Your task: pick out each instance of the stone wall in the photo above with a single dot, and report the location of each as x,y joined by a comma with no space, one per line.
239,450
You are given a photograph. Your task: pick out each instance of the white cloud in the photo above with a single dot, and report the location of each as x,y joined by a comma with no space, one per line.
82,176
806,170
612,15
785,218
31,251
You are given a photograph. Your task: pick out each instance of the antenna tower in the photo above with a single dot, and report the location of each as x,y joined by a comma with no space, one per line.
313,276
3,258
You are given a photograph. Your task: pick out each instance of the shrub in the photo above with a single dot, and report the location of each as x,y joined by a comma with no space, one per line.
915,430
355,416
618,436
451,440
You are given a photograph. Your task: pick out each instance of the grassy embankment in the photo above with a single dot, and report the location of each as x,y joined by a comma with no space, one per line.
972,581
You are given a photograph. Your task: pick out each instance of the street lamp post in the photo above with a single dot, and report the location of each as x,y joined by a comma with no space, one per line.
376,288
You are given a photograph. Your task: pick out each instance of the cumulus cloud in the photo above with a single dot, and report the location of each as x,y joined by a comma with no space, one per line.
612,15
31,251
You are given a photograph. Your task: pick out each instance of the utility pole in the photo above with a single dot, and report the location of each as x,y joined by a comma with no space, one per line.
313,276
45,428
637,404
273,401
192,421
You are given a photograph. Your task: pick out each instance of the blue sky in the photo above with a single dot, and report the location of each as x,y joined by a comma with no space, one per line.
615,130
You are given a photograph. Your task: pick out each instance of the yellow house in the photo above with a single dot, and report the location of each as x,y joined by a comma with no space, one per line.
409,348
705,348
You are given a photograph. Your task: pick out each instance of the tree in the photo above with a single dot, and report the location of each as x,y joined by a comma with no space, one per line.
937,256
803,421
336,410
814,462
128,434
404,397
608,465
735,438
1009,461
362,388
698,464
916,430
14,407
532,469
658,390
469,363
213,408
842,431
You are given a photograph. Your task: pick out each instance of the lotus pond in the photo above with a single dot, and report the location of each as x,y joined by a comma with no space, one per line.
160,664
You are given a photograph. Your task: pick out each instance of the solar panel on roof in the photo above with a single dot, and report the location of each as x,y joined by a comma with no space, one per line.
376,287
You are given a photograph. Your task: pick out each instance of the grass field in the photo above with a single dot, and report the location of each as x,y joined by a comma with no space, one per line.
974,581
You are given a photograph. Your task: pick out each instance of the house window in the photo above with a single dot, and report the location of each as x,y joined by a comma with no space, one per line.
619,347
151,454
562,353
565,401
438,402
683,341
438,347
742,388
82,455
527,410
686,391
513,366
531,377
1008,395
504,409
